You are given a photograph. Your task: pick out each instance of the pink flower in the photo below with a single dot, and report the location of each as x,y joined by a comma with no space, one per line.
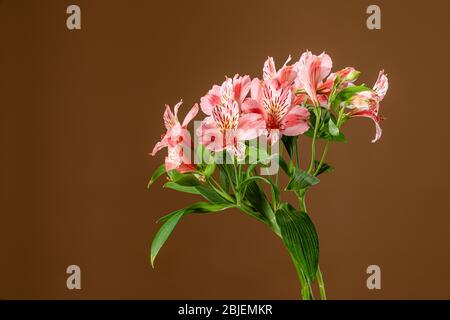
226,128
275,105
177,139
281,78
312,71
236,89
367,103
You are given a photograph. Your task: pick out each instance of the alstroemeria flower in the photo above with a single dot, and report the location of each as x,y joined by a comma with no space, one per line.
367,103
177,139
281,78
312,71
275,105
226,128
232,89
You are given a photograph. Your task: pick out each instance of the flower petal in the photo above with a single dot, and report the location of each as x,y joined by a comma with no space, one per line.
252,106
269,70
169,118
210,135
241,87
211,99
161,144
381,85
191,115
251,126
296,121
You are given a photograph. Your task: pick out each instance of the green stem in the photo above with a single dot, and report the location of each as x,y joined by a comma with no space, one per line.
322,159
323,295
318,114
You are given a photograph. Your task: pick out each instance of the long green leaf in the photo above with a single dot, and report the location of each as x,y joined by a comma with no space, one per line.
203,190
300,238
200,207
301,180
163,234
175,186
171,220
156,174
258,200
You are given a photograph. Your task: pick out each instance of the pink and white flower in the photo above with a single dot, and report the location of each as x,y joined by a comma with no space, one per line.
232,89
275,104
177,140
226,128
367,103
282,78
311,82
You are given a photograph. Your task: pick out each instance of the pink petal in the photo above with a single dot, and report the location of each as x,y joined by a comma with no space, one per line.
325,65
169,118
210,135
286,76
175,109
269,69
252,106
161,144
296,121
378,132
241,87
251,126
381,85
191,115
256,89
211,99
371,114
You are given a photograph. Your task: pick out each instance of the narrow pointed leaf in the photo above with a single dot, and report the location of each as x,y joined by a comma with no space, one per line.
156,174
172,219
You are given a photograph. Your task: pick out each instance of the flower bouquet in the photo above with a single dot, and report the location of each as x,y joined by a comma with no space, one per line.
251,129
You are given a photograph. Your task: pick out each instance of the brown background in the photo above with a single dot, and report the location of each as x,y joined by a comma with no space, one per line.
80,110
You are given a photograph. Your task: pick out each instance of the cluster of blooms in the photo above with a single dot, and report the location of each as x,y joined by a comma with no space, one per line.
277,105
302,98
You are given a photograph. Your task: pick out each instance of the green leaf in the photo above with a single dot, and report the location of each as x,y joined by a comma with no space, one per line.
258,200
339,138
334,131
345,94
200,207
171,220
163,234
325,167
175,186
289,143
158,173
300,238
205,191
301,180
210,195
224,179
275,191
